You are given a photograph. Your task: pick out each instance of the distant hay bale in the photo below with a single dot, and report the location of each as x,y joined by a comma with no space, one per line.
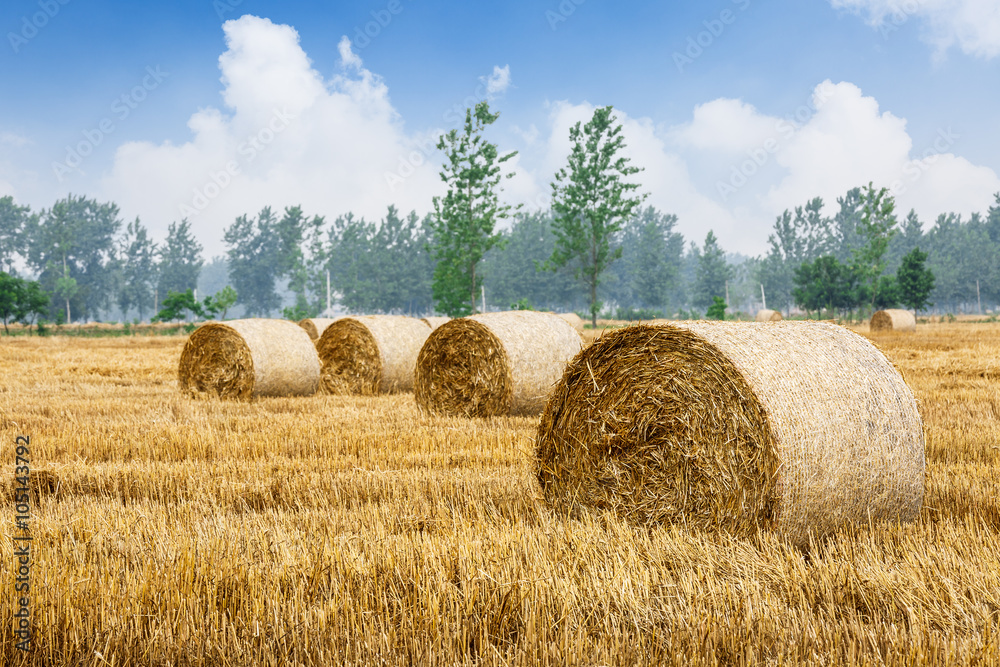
893,319
249,358
573,319
768,315
799,427
373,354
494,364
315,326
434,322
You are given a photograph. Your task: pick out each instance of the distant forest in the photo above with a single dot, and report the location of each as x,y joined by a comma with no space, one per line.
96,266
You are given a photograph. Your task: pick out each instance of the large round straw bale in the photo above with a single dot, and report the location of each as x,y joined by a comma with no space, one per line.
434,322
249,358
796,426
370,354
893,319
573,319
315,326
768,315
494,364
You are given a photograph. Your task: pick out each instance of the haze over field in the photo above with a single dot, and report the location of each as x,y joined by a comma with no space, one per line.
737,110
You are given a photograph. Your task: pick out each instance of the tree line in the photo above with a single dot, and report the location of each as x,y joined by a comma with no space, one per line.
597,249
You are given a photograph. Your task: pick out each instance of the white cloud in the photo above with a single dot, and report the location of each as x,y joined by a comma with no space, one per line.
285,137
498,82
844,141
971,25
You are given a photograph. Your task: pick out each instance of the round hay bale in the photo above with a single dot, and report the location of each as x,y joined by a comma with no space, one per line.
371,354
494,364
768,315
434,322
798,427
249,358
573,319
315,326
893,319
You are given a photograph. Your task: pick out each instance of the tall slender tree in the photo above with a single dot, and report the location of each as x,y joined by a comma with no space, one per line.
711,274
14,221
138,267
591,201
253,261
180,261
465,218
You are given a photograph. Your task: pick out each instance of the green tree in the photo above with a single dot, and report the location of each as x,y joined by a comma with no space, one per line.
711,274
825,283
175,305
877,227
465,219
219,303
253,261
914,281
180,260
73,243
717,311
512,270
14,221
648,275
33,303
591,202
10,298
138,267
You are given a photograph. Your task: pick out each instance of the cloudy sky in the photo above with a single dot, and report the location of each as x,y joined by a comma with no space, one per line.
736,109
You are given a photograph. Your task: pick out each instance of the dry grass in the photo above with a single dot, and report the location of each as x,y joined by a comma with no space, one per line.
353,530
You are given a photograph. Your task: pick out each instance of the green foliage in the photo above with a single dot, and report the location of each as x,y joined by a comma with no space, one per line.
180,259
464,220
217,305
914,281
253,253
175,305
14,221
521,304
20,300
380,267
648,275
511,269
138,270
591,202
636,314
717,311
887,293
76,239
877,227
827,284
711,273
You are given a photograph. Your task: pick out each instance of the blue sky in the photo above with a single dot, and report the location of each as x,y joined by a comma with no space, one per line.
736,108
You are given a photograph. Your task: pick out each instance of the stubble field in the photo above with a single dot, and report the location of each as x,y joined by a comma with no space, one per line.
331,530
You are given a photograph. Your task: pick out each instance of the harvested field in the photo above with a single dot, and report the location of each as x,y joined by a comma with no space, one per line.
354,530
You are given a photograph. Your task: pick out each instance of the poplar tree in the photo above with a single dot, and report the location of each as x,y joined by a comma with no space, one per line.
591,202
464,220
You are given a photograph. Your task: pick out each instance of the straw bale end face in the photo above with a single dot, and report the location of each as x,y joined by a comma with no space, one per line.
657,425
768,315
493,364
796,426
371,354
244,359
